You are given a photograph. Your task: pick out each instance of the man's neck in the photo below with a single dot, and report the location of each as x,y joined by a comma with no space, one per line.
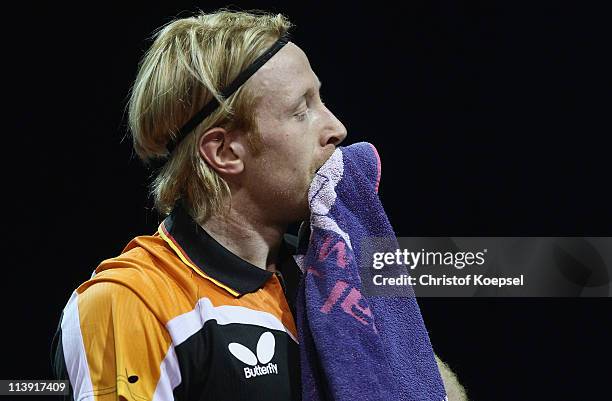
248,237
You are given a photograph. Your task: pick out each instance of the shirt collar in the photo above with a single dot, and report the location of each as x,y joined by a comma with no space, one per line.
211,260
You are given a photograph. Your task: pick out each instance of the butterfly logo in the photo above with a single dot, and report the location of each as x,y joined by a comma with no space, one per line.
260,363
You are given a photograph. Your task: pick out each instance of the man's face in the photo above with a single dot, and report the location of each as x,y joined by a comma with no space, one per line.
298,134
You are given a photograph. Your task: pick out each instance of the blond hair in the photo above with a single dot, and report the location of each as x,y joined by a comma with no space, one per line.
190,61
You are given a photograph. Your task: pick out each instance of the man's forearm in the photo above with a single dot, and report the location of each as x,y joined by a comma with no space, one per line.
454,389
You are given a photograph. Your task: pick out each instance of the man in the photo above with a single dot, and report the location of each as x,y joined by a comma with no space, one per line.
203,309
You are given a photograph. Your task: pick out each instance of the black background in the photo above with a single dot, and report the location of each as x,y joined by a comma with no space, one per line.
491,118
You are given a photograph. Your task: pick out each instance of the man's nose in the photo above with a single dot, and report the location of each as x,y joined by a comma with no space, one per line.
335,131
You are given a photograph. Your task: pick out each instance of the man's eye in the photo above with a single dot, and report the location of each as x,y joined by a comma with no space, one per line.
301,116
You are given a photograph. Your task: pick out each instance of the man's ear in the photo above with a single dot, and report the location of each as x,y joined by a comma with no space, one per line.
222,150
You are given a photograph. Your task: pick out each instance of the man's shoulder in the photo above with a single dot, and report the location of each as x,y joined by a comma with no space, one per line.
143,260
146,273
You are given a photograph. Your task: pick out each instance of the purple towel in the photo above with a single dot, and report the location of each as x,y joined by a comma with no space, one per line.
352,346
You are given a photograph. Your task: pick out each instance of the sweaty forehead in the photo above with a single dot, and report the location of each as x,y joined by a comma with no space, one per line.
283,77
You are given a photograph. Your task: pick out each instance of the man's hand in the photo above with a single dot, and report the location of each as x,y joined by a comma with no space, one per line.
454,390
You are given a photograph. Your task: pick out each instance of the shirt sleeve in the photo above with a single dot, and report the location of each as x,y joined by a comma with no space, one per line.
111,346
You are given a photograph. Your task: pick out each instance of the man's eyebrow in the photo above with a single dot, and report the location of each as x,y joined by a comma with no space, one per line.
310,90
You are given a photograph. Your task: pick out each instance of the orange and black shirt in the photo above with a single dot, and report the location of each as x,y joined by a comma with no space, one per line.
177,316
